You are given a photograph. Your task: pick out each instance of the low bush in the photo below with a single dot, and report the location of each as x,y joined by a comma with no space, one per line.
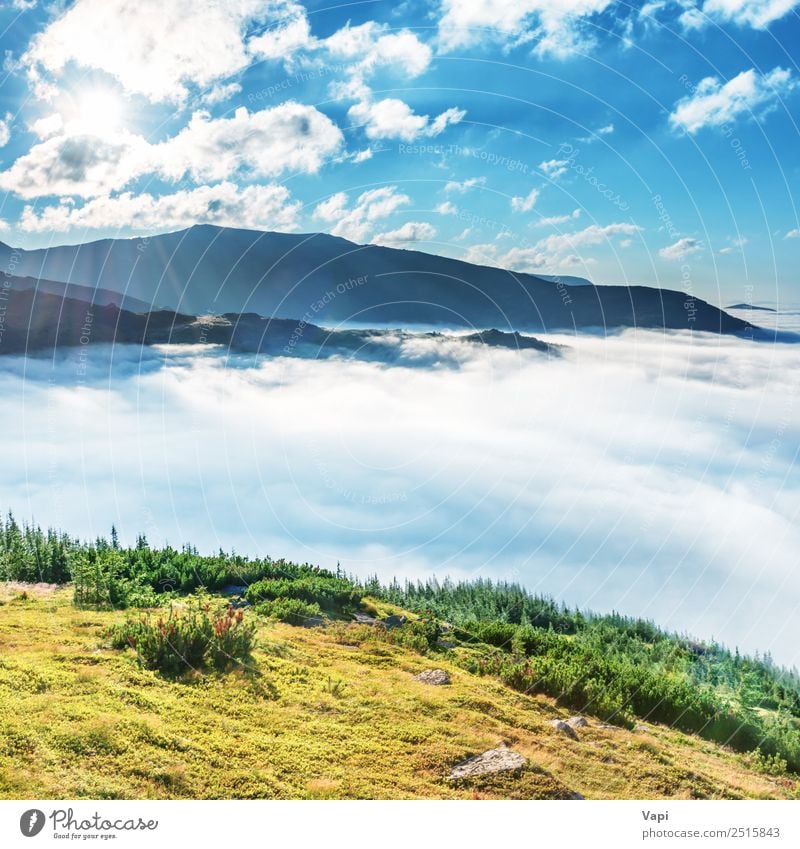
190,637
290,610
331,594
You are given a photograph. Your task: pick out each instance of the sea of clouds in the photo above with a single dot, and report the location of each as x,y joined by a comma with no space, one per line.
655,474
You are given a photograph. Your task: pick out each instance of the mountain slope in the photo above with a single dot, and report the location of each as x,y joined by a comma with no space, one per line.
35,321
331,714
323,278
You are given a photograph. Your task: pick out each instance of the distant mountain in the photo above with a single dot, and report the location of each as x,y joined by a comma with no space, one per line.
749,307
565,279
99,297
37,322
325,279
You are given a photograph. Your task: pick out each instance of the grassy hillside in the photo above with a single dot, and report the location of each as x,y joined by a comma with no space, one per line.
330,712
144,671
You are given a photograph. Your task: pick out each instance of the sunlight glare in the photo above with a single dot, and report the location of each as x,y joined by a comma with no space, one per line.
99,112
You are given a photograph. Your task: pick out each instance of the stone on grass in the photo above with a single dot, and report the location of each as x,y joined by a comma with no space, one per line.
364,619
560,725
433,676
313,622
577,722
501,759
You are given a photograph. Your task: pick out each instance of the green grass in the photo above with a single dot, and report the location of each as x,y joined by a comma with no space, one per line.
329,712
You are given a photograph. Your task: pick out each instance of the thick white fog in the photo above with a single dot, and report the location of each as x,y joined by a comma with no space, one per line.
656,475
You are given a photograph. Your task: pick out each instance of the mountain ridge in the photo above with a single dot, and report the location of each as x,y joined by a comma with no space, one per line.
315,276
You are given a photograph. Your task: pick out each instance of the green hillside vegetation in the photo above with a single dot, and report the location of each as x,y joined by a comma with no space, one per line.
151,624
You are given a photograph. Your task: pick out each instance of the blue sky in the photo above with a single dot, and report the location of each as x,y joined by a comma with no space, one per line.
653,143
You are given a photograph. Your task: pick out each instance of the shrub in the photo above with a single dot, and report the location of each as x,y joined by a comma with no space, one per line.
290,610
189,637
334,595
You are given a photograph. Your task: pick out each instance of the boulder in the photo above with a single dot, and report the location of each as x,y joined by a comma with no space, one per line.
577,722
364,619
641,729
433,676
393,622
501,759
560,725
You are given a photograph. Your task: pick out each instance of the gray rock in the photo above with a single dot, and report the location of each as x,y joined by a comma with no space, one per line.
433,676
364,619
641,729
577,722
501,759
233,589
560,725
393,622
313,622
576,795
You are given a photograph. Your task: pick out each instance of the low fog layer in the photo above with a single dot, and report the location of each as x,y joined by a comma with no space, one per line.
645,473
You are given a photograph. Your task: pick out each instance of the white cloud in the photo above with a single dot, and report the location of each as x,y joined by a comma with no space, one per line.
5,129
357,222
599,132
687,246
47,127
411,231
525,204
556,26
652,521
447,208
371,47
196,43
80,165
391,118
481,254
793,234
756,13
290,36
553,220
465,185
289,137
257,207
714,103
554,168
220,92
736,245
557,250
363,155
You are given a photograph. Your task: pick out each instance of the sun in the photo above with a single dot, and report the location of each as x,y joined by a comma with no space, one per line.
98,112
